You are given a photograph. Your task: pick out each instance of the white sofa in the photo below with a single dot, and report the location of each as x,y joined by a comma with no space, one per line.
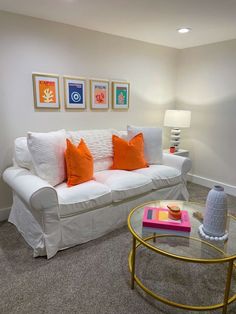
52,218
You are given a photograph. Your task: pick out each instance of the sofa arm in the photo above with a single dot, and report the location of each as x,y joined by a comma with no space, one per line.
183,164
41,199
32,190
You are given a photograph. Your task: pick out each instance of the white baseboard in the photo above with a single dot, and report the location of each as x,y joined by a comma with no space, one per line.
4,213
229,189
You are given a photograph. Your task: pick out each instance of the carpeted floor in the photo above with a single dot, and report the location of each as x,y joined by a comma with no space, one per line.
93,278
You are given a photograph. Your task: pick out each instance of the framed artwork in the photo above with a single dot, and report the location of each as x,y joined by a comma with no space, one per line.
120,95
46,91
74,92
99,94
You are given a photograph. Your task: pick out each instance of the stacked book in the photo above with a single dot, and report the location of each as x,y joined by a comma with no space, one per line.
156,220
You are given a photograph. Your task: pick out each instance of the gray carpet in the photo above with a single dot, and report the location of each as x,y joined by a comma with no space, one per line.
93,278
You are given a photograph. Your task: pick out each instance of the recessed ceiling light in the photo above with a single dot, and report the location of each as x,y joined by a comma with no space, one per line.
184,30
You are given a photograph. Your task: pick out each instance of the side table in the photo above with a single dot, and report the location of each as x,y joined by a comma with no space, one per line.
180,152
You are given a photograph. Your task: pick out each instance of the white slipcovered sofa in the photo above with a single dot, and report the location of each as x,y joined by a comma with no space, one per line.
52,218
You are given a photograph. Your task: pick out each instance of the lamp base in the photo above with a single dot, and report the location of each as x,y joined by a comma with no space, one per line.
175,138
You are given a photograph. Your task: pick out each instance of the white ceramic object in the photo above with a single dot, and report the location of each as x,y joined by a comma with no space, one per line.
215,218
207,237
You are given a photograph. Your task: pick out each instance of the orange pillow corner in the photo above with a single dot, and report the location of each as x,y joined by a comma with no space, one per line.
79,163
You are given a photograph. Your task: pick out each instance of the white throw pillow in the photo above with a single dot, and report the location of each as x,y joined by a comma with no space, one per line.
152,142
99,143
123,135
22,156
47,152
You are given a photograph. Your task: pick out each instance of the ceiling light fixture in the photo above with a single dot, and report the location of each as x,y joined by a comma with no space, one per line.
184,30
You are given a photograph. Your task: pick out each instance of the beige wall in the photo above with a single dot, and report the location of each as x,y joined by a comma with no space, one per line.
33,45
206,84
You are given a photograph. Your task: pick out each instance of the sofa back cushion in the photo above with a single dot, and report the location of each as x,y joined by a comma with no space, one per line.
152,142
99,143
47,153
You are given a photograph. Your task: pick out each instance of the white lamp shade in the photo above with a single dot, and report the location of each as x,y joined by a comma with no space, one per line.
177,118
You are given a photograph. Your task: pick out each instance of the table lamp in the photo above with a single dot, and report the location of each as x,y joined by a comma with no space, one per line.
177,119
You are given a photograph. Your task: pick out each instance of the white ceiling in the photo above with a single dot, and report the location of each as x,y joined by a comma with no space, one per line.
153,21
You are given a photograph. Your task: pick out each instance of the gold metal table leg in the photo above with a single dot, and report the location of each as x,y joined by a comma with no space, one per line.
227,286
154,237
133,262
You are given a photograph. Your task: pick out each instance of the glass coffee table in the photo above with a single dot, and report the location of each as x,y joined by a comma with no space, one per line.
197,250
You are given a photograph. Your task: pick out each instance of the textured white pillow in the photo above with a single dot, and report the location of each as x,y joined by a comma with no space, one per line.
99,142
22,155
152,142
47,152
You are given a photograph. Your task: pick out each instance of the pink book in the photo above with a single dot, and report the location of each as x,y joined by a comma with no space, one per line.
158,218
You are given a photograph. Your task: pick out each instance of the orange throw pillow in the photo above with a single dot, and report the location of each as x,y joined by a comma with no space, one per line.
79,163
128,155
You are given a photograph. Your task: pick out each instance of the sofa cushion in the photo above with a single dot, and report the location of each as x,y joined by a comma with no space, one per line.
82,197
152,142
124,184
47,152
161,176
99,143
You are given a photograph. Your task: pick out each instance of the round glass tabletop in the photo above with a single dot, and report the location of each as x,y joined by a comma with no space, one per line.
191,247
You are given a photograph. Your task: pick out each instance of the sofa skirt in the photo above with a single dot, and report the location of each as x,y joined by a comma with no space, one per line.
84,227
